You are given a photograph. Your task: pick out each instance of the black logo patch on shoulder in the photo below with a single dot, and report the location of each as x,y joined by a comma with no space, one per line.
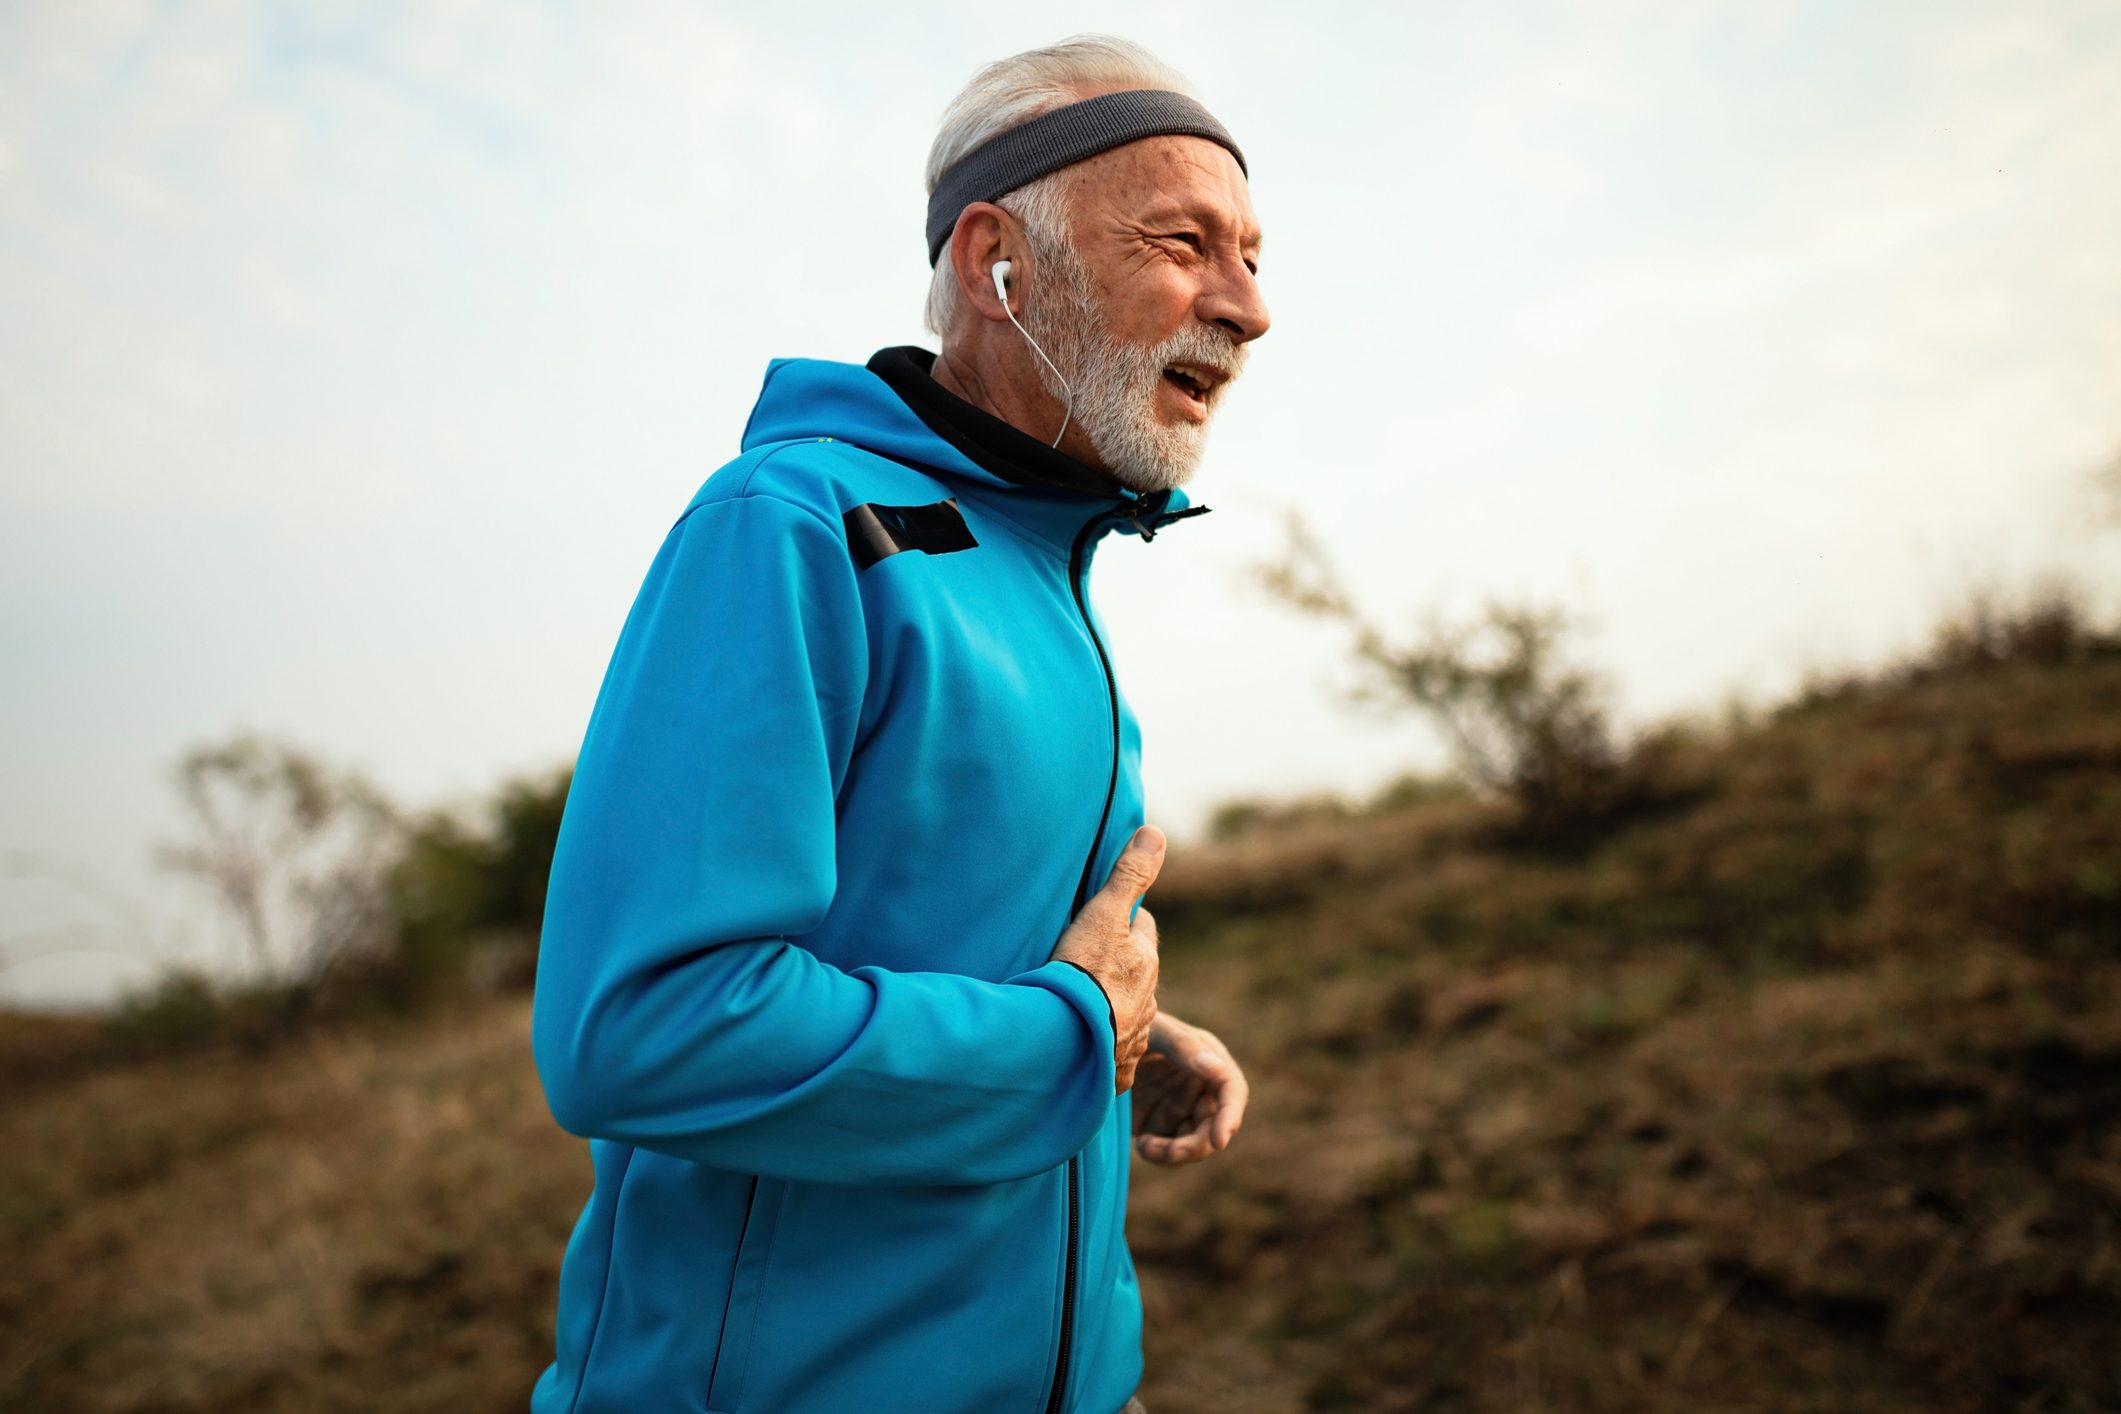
875,531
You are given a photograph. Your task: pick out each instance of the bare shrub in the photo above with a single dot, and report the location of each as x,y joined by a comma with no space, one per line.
297,854
1519,720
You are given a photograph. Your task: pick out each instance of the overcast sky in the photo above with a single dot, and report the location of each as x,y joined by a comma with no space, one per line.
354,360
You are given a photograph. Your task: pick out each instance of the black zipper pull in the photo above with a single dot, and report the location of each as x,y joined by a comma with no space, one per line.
1152,505
1159,517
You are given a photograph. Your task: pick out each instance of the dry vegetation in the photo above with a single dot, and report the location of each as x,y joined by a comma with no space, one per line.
1796,1087
1804,1094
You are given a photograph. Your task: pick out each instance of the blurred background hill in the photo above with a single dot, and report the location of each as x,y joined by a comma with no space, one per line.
1787,1078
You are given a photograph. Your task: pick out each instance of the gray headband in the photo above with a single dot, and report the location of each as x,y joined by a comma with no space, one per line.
1057,139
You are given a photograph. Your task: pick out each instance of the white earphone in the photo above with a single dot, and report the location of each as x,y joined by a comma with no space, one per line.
1000,271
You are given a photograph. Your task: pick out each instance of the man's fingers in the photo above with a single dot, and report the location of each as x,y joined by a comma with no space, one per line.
1230,1106
1183,1133
1161,1149
1167,1114
1218,1109
1137,867
1199,1102
1190,1147
1224,1085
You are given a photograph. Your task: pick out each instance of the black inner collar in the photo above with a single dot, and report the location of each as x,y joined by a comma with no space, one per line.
1007,451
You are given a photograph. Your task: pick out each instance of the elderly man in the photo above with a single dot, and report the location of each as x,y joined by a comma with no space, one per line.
845,973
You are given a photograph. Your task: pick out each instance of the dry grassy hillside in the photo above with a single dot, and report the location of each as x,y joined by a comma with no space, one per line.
1801,1091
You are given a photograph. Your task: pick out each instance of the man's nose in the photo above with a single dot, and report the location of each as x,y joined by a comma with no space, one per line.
1234,301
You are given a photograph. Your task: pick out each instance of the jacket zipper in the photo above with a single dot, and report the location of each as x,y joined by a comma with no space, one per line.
1067,1332
1082,890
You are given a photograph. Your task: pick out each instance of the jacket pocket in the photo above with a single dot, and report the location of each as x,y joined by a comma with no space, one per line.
902,1300
747,1282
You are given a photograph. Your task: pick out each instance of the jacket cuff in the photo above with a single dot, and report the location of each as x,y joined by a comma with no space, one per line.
1078,982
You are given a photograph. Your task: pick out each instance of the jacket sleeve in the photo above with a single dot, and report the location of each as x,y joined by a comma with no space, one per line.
672,1012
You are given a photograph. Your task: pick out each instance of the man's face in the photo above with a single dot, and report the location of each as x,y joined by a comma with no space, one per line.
1149,304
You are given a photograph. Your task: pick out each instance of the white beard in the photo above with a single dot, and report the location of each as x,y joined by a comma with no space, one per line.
1116,384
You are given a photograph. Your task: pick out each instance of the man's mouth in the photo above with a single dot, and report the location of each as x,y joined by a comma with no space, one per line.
1195,381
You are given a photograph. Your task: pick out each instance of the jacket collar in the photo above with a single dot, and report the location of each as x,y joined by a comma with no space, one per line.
818,398
1001,447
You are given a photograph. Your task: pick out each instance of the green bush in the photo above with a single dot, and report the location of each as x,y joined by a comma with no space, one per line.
470,897
181,1011
345,905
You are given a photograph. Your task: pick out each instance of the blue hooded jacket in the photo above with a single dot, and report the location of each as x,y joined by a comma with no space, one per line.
858,758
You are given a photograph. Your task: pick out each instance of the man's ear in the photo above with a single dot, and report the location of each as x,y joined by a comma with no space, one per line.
983,235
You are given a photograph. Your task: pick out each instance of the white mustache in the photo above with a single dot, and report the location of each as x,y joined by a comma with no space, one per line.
1204,346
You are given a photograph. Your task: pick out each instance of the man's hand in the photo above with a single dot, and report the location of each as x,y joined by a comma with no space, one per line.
1190,1096
1122,958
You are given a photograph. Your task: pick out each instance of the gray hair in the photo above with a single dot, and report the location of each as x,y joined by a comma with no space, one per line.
1015,90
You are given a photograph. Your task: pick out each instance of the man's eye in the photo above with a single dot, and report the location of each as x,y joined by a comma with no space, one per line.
1187,236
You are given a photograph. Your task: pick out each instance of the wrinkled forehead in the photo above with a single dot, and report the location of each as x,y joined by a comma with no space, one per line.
1165,179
